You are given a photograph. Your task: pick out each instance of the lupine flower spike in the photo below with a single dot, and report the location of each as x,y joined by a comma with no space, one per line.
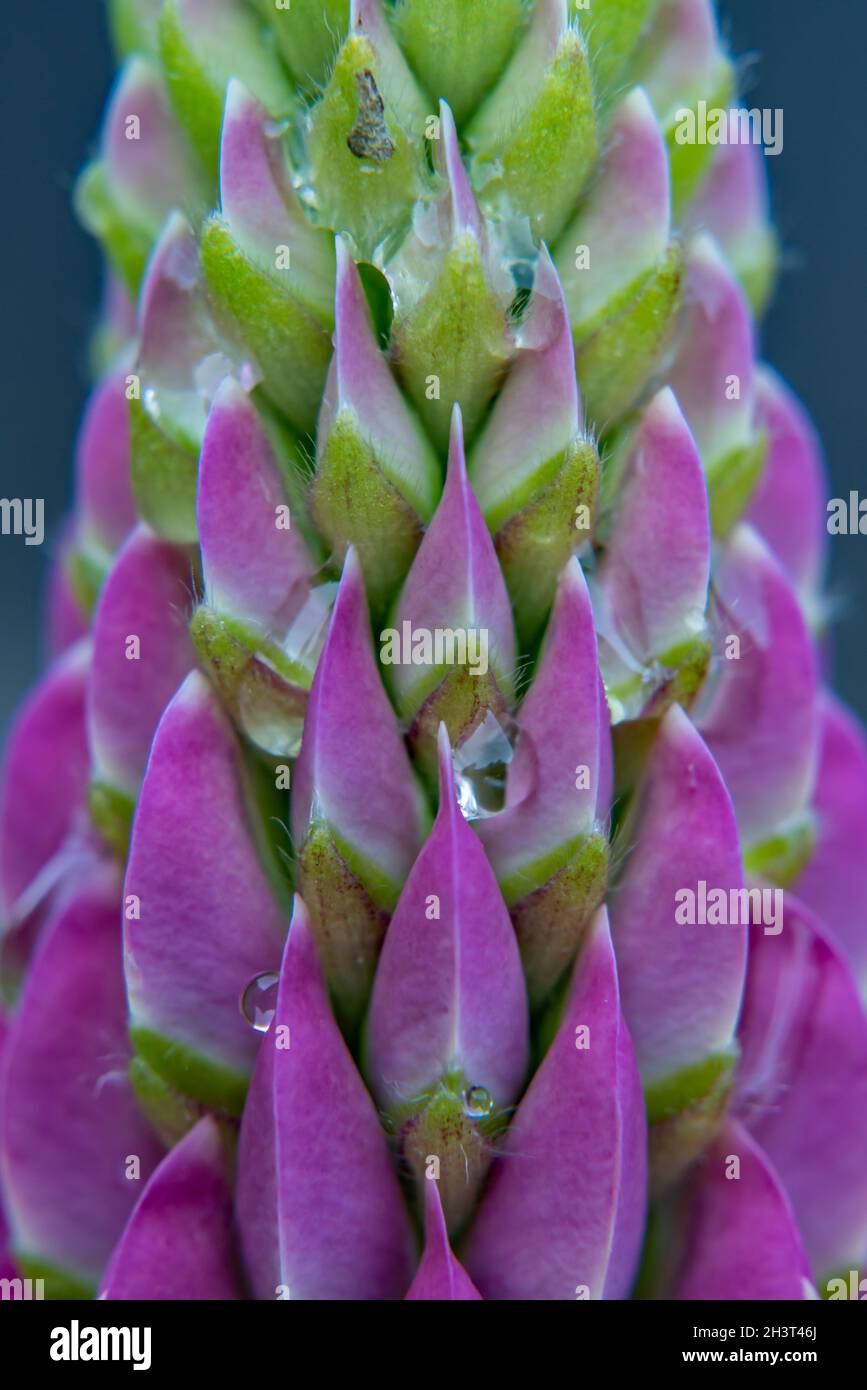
432,865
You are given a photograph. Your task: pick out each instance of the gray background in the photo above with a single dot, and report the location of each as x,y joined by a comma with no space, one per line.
805,57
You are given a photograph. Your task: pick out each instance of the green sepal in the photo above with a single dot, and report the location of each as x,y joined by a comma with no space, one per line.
455,697
457,334
170,1114
267,822
783,855
291,346
684,1112
436,1125
689,163
666,1235
533,160
164,473
132,28
732,481
633,741
264,691
198,68
673,678
354,503
127,244
756,263
86,572
458,47
370,198
347,920
615,356
551,901
307,35
613,28
185,1070
111,812
540,526
60,1284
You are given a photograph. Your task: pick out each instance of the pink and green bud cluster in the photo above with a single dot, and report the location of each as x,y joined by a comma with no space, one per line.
432,865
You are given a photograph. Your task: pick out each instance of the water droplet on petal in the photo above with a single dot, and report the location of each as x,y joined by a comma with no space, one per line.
209,373
259,1000
478,1102
616,710
306,635
275,129
151,404
481,765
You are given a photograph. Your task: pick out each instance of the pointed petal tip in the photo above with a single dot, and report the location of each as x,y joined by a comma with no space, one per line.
439,1277
457,460
446,766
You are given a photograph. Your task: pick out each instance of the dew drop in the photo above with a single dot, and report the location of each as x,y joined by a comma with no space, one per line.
306,635
151,404
259,1000
481,764
616,709
209,373
478,1102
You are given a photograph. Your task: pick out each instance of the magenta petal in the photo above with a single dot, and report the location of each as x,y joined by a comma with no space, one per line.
449,992
788,505
261,207
44,782
834,882
116,317
70,1124
103,491
803,1083
320,1210
685,49
179,1241
7,1268
439,1276
455,581
716,348
256,190
353,770
141,653
625,219
564,1210
256,567
742,1241
207,918
760,720
361,387
538,412
150,167
65,619
681,984
654,578
732,202
561,723
459,200
181,359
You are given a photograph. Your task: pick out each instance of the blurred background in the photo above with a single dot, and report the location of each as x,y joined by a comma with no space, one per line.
805,57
